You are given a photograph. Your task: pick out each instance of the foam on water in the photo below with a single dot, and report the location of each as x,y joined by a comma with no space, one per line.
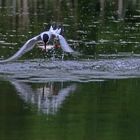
39,70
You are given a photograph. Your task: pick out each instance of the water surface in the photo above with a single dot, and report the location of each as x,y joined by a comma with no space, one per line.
64,110
40,70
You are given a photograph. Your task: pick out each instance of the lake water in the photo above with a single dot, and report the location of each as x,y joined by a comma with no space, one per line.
93,95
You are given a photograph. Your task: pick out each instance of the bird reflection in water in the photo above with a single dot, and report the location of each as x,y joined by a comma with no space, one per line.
48,98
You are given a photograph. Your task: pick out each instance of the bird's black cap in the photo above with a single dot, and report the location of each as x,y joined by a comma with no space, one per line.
45,38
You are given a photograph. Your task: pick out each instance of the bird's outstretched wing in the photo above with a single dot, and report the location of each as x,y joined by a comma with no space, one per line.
25,48
64,45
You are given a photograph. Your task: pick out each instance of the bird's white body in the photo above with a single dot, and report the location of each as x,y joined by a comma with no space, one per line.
48,47
29,45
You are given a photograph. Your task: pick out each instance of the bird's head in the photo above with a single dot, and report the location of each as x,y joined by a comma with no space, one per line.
45,39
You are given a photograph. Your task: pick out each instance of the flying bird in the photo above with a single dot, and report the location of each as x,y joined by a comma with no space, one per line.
44,37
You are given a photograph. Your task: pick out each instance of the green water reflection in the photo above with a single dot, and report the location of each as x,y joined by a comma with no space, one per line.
97,110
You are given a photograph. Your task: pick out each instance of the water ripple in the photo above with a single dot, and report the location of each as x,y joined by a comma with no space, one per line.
78,70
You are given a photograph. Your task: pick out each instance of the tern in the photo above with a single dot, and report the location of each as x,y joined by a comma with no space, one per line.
44,37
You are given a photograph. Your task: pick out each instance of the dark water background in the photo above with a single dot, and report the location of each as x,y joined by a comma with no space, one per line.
91,96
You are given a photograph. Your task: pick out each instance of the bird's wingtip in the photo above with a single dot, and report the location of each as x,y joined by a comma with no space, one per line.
51,28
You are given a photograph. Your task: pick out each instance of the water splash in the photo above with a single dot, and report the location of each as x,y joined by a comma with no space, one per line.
39,70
